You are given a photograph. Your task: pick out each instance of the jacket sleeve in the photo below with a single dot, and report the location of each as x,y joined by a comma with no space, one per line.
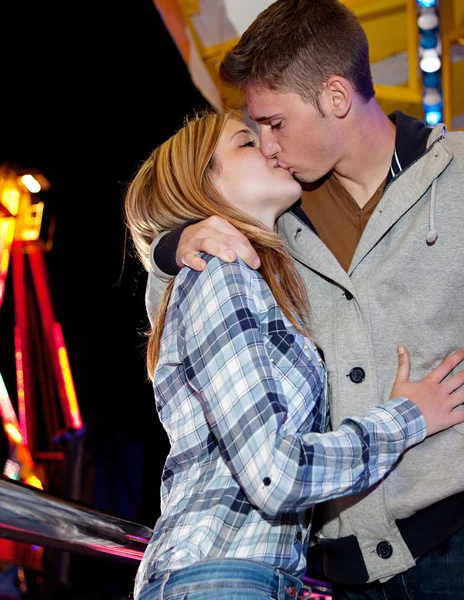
163,267
241,395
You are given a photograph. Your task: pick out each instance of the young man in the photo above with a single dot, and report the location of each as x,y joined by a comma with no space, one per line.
378,239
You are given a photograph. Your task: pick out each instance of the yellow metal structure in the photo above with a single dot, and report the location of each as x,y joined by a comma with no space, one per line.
392,31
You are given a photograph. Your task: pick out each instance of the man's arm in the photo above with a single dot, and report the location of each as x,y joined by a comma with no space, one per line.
214,235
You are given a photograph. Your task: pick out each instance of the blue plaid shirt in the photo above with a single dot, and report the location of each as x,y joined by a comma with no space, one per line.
242,397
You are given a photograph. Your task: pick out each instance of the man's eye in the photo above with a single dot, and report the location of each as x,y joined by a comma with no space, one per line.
251,144
276,125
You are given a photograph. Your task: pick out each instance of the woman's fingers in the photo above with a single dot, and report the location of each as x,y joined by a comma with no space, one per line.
445,367
402,373
404,364
454,382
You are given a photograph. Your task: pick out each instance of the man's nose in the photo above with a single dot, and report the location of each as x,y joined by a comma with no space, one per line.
269,147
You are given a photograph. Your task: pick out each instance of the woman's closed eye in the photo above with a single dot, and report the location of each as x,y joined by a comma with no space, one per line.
250,144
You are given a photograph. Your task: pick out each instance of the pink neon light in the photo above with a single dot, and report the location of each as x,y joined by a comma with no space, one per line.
119,551
20,384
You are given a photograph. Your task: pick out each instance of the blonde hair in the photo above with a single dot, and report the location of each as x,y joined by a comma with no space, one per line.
175,184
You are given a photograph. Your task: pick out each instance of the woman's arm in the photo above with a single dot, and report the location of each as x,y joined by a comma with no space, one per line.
227,365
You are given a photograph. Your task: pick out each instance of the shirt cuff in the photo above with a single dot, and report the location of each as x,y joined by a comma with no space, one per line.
409,417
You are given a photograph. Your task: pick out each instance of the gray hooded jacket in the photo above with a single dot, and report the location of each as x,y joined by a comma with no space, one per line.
405,286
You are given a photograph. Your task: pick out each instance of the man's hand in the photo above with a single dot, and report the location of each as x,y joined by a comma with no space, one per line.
217,237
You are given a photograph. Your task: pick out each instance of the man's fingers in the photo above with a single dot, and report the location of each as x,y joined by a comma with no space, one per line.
217,237
245,251
445,367
194,262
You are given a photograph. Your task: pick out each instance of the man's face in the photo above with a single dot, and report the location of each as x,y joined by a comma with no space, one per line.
303,141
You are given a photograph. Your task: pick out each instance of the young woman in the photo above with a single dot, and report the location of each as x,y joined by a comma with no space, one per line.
240,388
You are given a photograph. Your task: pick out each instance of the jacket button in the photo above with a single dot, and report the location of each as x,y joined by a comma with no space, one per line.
357,374
267,481
384,549
348,295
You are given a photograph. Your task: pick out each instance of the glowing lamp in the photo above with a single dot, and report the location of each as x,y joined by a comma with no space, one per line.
431,80
427,20
430,61
429,39
433,117
426,3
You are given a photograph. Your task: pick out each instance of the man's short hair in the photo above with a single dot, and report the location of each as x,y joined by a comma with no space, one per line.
296,45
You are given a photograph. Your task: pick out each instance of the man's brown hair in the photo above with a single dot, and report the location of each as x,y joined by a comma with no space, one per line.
296,45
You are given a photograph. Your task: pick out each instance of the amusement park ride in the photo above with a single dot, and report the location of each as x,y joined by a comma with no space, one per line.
44,431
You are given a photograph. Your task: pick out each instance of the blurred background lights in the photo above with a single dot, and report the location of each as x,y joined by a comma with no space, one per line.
430,61
426,3
433,117
31,183
428,19
429,51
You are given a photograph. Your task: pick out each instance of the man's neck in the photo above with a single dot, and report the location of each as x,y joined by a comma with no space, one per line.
369,152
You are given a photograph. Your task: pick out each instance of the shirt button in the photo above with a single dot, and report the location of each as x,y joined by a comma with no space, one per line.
299,535
384,549
357,374
267,481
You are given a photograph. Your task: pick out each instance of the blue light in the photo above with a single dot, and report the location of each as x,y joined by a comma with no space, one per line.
433,117
429,39
431,80
426,3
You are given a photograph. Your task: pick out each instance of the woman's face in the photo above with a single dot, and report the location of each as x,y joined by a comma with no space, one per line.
248,180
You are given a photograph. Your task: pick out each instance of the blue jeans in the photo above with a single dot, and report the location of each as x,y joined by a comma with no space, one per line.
229,579
438,575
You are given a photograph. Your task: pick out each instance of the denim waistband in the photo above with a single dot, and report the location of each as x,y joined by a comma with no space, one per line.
214,574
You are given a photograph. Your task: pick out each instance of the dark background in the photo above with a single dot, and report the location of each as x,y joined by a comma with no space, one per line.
88,89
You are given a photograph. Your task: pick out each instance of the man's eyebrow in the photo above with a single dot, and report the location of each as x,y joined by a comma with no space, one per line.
247,131
266,118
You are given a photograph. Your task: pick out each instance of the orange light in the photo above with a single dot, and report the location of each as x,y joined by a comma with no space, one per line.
31,183
34,481
67,377
13,433
10,198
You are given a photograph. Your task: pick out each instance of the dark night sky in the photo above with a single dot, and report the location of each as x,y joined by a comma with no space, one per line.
89,88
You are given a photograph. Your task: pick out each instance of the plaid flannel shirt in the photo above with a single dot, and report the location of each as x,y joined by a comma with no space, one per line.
242,397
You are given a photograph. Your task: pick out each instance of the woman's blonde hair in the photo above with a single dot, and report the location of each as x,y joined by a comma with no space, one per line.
175,184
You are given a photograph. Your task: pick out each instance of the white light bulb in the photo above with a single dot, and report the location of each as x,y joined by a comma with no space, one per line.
432,96
430,61
428,19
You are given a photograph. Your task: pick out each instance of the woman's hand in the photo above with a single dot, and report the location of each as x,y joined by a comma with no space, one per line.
217,237
435,398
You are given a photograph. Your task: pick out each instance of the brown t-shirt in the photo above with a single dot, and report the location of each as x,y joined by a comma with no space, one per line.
337,217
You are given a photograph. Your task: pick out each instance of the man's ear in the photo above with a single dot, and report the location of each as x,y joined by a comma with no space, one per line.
339,95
